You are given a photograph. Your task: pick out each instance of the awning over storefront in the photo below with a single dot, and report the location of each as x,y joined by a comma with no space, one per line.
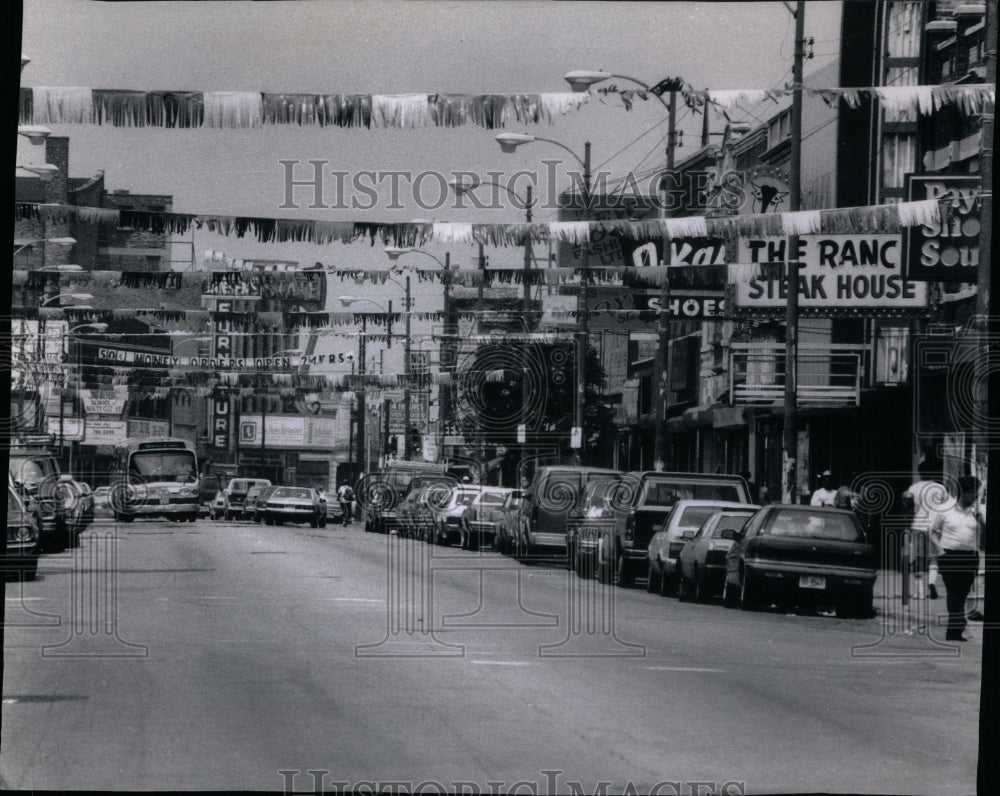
727,417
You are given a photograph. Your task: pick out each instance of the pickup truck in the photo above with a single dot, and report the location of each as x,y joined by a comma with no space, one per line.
641,503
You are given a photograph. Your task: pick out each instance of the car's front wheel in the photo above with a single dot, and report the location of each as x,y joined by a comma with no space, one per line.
730,596
749,592
624,577
653,579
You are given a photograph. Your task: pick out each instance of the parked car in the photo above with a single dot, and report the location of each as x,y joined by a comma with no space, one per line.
209,486
545,508
235,494
590,521
253,507
23,537
384,491
417,513
482,517
294,504
102,502
507,524
78,505
450,522
804,556
217,508
701,564
641,503
34,473
485,515
680,525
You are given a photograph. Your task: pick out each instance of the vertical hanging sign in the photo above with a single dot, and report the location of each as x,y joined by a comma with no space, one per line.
221,419
945,251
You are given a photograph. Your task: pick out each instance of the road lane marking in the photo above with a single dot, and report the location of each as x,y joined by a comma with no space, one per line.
353,600
502,663
681,669
21,599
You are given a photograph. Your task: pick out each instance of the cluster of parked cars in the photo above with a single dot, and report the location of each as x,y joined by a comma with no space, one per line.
46,510
258,500
692,535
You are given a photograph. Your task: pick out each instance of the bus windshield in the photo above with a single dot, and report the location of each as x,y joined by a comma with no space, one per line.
175,466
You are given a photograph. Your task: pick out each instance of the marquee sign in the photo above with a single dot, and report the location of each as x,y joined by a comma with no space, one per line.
838,272
948,251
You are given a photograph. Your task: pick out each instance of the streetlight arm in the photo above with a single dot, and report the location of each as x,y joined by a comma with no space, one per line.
563,146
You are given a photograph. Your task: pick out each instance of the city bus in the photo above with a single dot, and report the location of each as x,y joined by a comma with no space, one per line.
155,477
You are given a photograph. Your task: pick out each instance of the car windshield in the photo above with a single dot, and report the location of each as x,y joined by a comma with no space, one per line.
492,499
695,516
666,493
178,466
30,471
731,522
13,501
298,494
840,527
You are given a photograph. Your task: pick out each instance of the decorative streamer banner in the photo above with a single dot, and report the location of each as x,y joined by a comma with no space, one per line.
875,218
251,109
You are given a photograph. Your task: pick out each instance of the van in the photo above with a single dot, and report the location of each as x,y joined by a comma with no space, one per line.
382,492
546,505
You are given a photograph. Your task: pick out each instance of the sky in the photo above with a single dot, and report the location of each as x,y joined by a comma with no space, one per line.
334,46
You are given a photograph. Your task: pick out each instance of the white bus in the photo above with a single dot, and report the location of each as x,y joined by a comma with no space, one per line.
155,477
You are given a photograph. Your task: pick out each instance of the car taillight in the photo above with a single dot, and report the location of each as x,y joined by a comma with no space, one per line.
629,527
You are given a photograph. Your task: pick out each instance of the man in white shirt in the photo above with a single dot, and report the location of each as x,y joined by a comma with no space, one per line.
958,532
824,496
924,499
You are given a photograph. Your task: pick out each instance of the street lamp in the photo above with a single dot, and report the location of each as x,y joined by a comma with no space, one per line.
582,80
44,171
27,244
35,133
74,296
509,142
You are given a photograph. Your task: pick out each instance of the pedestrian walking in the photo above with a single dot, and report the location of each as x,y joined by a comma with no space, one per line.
345,496
958,532
922,500
824,494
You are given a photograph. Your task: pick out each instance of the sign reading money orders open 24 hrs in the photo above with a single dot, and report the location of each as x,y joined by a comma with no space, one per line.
838,272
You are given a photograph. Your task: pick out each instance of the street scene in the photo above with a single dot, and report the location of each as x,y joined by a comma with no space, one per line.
412,408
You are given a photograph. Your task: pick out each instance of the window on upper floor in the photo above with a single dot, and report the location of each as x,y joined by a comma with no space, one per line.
779,128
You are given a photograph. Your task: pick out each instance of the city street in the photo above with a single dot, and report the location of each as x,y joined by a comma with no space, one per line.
218,655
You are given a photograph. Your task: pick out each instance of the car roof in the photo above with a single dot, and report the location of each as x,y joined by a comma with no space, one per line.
810,509
729,504
668,474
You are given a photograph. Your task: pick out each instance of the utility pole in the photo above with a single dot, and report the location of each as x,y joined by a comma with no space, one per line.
789,480
362,403
522,431
583,342
661,401
406,379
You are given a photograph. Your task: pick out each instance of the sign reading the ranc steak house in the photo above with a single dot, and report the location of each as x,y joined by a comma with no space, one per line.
838,272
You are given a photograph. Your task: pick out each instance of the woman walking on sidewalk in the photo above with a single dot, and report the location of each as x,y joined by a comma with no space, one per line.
958,533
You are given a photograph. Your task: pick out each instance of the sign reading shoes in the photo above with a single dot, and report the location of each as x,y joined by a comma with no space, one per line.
838,272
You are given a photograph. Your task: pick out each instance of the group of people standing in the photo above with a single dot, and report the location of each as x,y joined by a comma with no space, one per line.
944,539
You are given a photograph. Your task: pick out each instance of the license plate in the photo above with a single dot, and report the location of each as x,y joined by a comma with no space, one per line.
812,582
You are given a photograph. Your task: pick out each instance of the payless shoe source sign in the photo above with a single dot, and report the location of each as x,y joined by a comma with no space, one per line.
945,251
838,272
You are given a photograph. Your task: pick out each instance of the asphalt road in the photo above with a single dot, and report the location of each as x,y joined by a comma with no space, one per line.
219,655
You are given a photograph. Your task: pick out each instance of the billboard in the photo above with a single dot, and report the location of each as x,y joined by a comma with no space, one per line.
838,272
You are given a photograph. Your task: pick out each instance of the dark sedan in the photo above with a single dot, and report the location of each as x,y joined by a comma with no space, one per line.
701,564
294,504
803,556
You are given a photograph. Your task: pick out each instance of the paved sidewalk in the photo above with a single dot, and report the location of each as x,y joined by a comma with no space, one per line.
920,613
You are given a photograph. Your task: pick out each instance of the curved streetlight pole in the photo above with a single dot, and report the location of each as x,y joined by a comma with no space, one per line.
509,143
581,81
